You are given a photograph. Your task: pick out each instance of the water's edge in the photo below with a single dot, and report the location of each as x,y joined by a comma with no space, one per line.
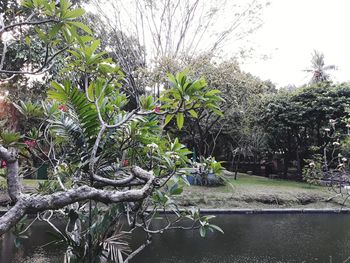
256,211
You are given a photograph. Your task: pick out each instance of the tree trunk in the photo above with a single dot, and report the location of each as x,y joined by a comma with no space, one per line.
237,165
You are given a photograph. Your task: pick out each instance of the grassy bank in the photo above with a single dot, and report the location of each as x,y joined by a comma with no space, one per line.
256,192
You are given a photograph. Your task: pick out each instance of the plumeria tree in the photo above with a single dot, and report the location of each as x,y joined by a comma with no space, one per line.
106,162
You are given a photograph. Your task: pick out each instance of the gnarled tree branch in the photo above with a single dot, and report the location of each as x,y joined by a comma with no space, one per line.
38,203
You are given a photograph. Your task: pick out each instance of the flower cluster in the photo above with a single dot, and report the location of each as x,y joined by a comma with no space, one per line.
152,146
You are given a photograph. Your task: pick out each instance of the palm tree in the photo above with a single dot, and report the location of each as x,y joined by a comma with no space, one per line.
318,68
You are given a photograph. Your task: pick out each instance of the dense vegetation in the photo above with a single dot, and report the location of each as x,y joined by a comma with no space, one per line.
116,132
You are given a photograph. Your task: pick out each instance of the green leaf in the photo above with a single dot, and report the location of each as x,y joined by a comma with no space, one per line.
53,32
95,44
193,113
168,118
217,228
218,112
176,190
74,13
180,120
41,34
90,92
213,92
81,26
9,138
202,231
27,39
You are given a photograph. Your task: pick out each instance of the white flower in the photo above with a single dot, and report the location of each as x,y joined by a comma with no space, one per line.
174,156
312,164
336,143
344,159
327,129
152,146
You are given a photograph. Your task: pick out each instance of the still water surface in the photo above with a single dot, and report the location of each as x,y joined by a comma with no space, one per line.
254,238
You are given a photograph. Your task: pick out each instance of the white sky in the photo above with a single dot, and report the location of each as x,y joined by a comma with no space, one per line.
292,30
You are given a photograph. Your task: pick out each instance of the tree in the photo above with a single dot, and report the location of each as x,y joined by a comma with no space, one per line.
19,52
211,134
171,28
295,121
126,51
318,68
100,153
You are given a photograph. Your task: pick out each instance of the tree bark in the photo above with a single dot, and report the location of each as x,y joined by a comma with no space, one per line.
38,203
14,187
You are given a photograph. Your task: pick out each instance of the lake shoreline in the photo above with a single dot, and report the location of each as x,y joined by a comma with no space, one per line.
250,194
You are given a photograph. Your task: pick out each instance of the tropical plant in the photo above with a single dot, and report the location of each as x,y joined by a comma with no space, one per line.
100,152
318,68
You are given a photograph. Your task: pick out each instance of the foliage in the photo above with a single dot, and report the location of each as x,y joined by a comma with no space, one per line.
295,122
96,145
48,187
210,133
209,172
313,171
33,49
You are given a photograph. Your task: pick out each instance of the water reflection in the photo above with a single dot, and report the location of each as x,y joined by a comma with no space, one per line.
32,250
258,239
248,238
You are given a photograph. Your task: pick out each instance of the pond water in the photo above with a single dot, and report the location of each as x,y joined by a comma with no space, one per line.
253,238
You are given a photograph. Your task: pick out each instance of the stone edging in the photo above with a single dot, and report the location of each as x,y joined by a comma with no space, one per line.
262,211
274,211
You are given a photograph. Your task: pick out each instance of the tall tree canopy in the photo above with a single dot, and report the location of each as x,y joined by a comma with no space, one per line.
295,121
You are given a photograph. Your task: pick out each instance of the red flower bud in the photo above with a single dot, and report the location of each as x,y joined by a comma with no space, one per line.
3,164
125,162
157,109
63,108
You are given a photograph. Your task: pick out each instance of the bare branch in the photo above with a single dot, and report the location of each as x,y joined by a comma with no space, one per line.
42,69
27,23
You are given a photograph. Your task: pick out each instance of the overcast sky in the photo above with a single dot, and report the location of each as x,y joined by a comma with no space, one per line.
292,30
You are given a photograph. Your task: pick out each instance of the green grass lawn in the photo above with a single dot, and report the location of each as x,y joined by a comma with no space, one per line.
251,183
245,179
250,191
27,182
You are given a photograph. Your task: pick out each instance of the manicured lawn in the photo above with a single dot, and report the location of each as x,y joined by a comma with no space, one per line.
250,191
245,179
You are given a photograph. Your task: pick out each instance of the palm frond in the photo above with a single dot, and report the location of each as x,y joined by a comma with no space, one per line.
117,246
79,105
